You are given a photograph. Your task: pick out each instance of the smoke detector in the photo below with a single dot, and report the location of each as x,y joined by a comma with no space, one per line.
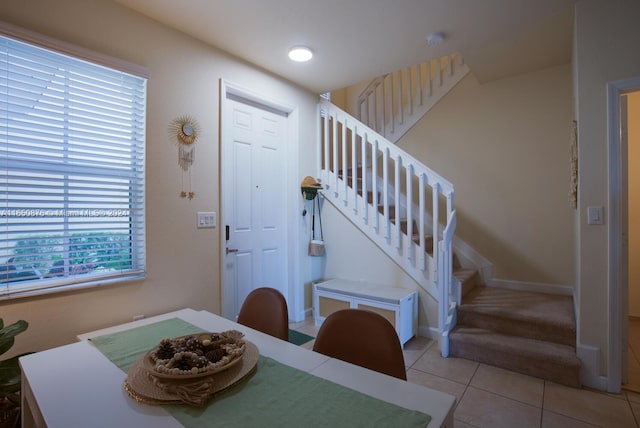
435,39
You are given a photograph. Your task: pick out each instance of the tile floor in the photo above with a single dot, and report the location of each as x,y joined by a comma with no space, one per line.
491,397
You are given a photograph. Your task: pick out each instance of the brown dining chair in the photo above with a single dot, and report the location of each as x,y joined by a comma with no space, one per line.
265,309
363,338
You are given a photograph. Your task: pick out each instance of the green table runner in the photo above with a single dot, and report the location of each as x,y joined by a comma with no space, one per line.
275,396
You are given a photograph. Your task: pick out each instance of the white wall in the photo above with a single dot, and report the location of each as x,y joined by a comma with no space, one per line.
607,35
183,261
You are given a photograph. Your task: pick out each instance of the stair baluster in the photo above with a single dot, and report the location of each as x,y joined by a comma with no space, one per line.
391,104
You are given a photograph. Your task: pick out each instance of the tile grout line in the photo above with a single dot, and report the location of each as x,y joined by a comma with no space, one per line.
574,419
635,418
505,397
466,388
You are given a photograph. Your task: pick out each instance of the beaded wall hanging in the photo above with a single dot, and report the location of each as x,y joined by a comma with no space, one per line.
184,130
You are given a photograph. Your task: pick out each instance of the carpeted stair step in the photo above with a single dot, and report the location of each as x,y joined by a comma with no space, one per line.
540,316
469,278
457,264
545,360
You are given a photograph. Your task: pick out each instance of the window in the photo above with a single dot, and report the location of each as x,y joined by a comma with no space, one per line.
72,163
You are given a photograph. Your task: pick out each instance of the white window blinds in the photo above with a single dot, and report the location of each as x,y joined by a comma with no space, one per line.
71,171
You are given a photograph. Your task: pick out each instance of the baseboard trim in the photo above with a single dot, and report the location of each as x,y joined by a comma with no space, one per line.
590,370
304,315
428,332
565,290
469,255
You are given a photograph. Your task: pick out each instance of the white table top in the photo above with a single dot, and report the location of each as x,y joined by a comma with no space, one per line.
77,386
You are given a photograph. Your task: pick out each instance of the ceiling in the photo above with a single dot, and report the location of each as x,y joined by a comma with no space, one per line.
356,40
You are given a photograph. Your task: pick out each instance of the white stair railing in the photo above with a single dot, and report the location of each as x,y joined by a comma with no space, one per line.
391,104
365,176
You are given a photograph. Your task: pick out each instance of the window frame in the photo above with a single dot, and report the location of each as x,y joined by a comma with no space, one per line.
16,289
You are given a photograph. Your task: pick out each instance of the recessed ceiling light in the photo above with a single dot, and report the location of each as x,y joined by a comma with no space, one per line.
300,53
435,39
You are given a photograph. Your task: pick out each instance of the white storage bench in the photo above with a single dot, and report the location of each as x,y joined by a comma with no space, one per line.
398,305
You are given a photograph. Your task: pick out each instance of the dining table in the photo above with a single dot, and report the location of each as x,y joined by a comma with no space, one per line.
86,384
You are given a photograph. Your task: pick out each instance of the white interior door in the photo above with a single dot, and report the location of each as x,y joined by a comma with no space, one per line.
254,203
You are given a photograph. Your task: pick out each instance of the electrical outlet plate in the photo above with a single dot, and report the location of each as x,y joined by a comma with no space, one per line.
206,219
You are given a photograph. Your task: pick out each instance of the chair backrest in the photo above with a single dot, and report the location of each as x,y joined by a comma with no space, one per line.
265,309
363,338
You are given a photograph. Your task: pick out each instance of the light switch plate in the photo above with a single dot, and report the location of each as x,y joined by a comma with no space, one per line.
206,219
595,215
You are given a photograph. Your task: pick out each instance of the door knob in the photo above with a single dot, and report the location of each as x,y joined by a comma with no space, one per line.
232,250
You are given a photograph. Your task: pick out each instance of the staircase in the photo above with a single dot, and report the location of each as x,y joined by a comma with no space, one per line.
526,332
406,209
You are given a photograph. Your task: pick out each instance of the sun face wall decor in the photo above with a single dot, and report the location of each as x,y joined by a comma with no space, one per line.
184,131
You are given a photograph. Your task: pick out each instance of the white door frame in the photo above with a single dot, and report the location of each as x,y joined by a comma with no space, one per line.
618,304
295,295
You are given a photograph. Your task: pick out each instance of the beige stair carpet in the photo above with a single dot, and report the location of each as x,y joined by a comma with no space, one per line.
531,333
